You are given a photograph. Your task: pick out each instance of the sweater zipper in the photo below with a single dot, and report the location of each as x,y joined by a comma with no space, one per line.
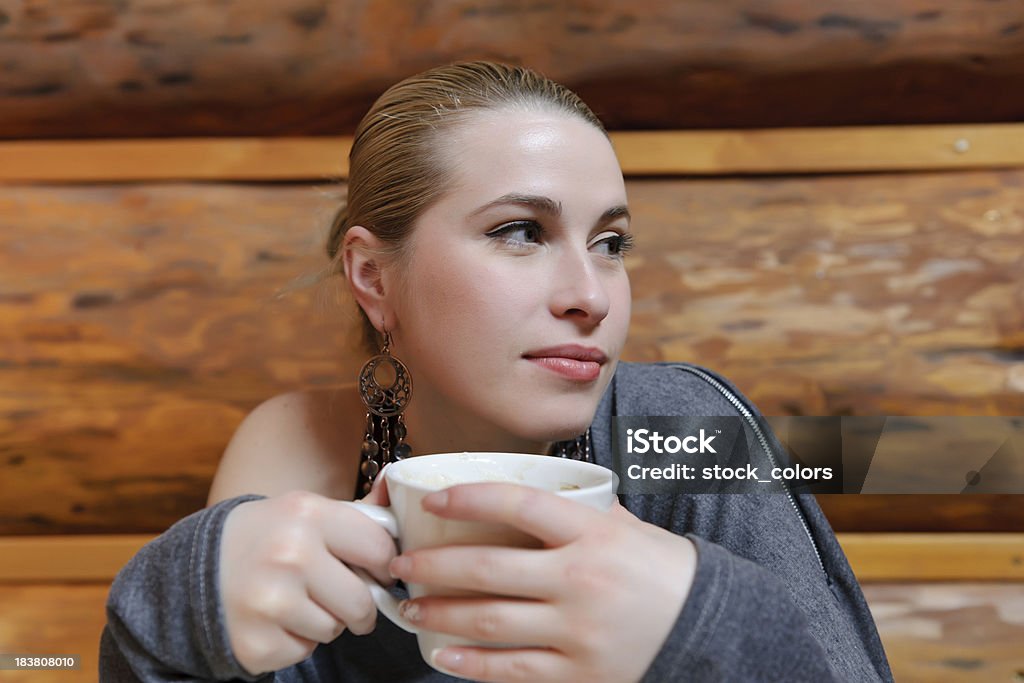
735,401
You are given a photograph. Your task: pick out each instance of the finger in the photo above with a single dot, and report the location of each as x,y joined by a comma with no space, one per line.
515,622
341,593
514,572
298,616
269,648
503,666
357,540
312,622
554,520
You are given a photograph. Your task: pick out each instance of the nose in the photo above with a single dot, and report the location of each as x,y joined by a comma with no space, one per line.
579,290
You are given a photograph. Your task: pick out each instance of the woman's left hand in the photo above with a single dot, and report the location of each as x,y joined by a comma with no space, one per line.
595,604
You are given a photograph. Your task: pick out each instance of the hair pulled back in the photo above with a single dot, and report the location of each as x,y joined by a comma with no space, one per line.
396,168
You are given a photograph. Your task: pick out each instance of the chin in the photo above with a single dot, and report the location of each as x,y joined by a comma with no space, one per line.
557,424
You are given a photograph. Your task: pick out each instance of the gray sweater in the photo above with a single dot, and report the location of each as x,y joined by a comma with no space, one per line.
773,598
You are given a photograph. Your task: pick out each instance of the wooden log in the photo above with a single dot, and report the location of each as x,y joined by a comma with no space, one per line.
274,67
850,293
128,312
137,327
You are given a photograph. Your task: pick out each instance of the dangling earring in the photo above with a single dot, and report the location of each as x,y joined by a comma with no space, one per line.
385,386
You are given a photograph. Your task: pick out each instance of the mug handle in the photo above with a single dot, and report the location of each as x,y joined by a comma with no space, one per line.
385,601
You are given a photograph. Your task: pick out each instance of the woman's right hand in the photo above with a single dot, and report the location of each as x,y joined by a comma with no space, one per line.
283,579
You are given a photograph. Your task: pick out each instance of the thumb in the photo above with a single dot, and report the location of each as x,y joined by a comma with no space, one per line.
378,495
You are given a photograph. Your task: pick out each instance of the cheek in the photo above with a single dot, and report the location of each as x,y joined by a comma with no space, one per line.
464,296
621,309
625,298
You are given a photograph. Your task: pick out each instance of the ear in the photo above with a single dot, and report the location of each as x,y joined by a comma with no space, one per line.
364,270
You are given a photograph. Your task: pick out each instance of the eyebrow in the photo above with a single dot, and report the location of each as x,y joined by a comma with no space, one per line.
548,206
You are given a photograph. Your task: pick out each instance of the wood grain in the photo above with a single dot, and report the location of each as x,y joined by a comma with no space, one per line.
819,150
59,559
55,618
923,513
935,557
641,153
868,295
299,67
241,159
932,633
874,557
139,323
951,633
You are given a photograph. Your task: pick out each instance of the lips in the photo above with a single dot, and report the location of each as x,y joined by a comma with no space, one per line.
571,361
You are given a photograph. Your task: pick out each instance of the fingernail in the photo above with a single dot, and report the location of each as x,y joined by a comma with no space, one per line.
446,660
409,610
436,500
399,566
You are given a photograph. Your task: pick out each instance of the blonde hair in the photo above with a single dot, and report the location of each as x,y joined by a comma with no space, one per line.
395,168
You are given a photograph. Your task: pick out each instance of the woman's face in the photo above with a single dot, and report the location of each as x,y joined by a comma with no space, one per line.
516,302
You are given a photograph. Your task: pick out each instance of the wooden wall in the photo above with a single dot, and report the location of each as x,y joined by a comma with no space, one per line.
130,311
79,68
834,270
827,271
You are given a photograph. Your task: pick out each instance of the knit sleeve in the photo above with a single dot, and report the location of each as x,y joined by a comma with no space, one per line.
165,620
738,625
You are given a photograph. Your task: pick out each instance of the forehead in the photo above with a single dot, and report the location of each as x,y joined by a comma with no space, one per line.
552,154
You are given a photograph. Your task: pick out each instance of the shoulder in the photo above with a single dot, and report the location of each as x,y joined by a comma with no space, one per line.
298,440
675,388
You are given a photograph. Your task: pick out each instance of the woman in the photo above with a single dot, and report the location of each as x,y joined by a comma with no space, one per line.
483,242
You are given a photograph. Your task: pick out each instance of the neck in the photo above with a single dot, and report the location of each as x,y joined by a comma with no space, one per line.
435,427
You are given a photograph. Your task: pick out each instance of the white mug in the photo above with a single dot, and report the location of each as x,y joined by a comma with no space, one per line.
410,480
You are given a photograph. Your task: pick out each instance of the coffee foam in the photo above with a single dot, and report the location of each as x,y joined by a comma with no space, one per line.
442,480
470,468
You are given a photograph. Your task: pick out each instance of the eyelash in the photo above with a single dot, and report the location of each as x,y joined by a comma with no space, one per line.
503,231
622,242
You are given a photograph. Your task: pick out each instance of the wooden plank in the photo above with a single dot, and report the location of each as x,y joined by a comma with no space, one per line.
55,618
932,633
874,557
820,150
66,558
641,153
935,557
273,67
910,513
235,159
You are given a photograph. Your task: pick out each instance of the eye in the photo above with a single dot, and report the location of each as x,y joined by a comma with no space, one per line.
614,244
519,234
